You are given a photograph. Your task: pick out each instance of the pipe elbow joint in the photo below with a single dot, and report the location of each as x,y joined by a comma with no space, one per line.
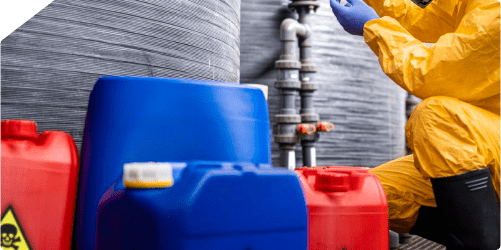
291,28
307,31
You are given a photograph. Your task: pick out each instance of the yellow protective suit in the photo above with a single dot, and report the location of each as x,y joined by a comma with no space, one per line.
456,127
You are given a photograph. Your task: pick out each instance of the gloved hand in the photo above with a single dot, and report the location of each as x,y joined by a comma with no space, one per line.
353,16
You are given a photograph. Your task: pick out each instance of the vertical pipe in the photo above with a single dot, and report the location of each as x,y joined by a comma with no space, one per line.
290,71
308,86
288,84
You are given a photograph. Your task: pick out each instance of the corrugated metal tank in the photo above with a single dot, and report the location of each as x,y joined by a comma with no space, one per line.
366,107
50,64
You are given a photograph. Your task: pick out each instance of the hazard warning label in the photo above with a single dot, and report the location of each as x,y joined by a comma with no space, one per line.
13,237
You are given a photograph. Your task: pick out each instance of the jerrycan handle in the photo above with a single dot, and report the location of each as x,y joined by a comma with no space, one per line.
332,182
357,179
19,129
308,171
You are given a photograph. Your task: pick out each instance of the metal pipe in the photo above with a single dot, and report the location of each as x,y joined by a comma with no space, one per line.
288,84
289,70
393,240
308,86
290,29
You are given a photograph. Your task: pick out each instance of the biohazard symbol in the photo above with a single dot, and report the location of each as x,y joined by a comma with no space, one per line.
12,234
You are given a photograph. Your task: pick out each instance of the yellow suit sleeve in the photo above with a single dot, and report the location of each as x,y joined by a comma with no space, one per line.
464,65
426,25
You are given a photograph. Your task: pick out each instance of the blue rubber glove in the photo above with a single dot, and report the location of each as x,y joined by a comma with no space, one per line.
353,15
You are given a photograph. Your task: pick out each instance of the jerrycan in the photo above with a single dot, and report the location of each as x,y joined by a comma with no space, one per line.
347,208
39,181
142,119
202,205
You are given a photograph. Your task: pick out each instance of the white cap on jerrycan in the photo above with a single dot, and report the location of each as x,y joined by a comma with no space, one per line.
148,175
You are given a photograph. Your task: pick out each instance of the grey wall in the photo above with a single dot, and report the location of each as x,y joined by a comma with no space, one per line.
50,64
366,107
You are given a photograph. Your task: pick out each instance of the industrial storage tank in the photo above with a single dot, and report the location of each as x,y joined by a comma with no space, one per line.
50,64
366,107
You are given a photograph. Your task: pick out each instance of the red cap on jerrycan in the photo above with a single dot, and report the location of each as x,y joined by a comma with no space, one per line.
19,129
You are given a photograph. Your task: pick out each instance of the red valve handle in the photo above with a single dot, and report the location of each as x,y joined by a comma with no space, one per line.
306,129
324,126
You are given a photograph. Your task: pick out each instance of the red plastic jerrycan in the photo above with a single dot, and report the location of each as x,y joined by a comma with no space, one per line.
347,208
39,180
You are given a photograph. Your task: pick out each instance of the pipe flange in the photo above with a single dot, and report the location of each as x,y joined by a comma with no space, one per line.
309,118
309,86
293,119
288,64
296,4
308,68
312,137
287,84
287,138
287,147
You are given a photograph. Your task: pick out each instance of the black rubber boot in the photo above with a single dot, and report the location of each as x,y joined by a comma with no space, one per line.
470,210
430,225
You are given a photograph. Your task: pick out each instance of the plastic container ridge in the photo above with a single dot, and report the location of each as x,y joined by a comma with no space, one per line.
39,181
347,208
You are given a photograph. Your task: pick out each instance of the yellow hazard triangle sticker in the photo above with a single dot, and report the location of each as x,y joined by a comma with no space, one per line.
13,237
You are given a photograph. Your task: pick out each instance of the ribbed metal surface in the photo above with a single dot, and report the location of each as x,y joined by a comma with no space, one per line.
418,243
366,107
50,64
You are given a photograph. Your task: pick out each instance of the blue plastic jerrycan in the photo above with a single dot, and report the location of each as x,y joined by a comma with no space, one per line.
141,119
210,205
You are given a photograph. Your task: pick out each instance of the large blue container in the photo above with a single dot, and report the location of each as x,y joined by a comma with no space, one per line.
211,205
137,119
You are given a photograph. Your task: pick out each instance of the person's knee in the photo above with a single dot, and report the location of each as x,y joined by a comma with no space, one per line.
427,115
433,107
427,104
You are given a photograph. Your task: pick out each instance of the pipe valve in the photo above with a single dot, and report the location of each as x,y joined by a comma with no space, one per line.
306,129
324,126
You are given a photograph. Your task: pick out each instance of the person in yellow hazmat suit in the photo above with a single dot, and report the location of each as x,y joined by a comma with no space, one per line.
448,189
